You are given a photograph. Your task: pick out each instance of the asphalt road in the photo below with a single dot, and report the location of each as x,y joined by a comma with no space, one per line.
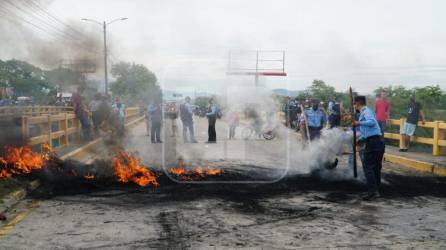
301,210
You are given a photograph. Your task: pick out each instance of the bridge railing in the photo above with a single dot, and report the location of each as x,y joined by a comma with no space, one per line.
18,111
437,141
58,130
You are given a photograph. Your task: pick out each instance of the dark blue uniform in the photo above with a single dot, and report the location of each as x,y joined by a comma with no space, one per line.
373,152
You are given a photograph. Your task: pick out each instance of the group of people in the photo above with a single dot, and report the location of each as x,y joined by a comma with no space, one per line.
314,112
370,126
154,119
310,116
98,112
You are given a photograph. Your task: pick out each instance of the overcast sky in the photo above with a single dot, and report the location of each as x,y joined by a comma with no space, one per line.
361,43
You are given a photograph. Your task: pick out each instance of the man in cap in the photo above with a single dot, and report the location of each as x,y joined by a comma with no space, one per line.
374,147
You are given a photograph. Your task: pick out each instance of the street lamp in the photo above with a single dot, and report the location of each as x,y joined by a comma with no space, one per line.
104,27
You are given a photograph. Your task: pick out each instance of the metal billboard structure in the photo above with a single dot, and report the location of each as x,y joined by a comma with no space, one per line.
256,63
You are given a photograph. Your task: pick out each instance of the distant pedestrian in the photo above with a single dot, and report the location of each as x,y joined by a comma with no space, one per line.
95,112
382,110
172,115
156,117
414,113
119,109
373,152
186,116
233,120
81,112
212,119
334,113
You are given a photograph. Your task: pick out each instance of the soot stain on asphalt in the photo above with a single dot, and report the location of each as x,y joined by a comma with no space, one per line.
246,195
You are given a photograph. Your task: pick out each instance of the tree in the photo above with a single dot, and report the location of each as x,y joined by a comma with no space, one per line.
431,97
321,91
134,82
25,79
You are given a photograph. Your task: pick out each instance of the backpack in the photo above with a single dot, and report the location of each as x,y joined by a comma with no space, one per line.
219,114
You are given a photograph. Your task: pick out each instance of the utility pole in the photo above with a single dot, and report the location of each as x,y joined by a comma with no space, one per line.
104,28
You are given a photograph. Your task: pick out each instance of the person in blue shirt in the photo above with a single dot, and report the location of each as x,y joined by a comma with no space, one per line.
186,116
316,120
156,117
212,119
372,155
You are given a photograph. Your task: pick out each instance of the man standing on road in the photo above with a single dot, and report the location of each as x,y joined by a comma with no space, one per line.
374,147
382,109
95,113
186,116
212,119
156,117
414,112
81,111
316,120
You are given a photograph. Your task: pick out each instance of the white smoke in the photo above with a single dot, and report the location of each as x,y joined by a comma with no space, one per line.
321,152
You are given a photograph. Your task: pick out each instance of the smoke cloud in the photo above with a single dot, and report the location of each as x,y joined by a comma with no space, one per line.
33,35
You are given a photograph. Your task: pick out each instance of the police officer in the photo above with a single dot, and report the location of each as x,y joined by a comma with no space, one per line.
334,111
316,120
373,152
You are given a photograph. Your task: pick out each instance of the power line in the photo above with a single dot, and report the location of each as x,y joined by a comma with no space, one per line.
52,16
9,12
32,15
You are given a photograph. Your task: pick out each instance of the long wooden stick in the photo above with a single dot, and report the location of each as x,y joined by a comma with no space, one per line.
307,130
355,166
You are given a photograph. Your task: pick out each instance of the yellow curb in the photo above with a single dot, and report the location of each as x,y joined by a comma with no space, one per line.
11,224
416,165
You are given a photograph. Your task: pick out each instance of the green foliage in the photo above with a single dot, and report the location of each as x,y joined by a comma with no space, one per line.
134,82
25,79
432,98
321,91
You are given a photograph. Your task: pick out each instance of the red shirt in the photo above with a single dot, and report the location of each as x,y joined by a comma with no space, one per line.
382,107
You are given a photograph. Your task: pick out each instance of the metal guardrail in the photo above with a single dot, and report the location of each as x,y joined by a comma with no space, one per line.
17,111
437,141
58,130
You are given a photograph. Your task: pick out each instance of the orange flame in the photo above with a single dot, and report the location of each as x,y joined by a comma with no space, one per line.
196,173
214,171
178,170
23,160
89,177
128,168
